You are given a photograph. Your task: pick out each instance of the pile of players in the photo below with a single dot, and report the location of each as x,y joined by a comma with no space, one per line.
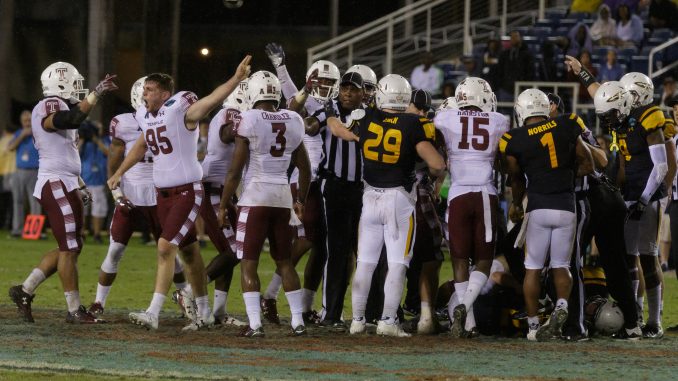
560,199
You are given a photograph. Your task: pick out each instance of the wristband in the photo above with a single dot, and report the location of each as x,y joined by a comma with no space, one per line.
586,78
92,98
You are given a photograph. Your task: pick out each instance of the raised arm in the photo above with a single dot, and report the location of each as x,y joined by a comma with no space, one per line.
586,78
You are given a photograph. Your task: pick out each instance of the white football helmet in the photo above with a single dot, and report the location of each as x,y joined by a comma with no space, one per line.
612,104
238,98
393,92
604,315
640,87
531,102
449,104
474,91
63,80
137,93
263,86
369,78
326,70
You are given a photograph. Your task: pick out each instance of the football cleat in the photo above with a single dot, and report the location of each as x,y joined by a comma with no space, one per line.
459,321
228,320
652,331
82,316
358,326
552,327
269,308
247,331
634,334
200,324
532,334
395,330
186,302
23,302
334,325
299,330
311,317
426,327
96,309
410,311
144,319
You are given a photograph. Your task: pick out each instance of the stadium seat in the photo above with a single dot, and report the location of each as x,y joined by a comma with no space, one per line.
654,41
663,34
601,51
568,23
639,64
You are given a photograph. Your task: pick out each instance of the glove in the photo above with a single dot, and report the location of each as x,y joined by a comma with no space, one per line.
329,109
86,196
275,53
635,211
106,85
309,82
124,205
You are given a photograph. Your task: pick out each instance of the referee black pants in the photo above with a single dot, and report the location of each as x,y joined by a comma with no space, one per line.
343,205
608,213
673,214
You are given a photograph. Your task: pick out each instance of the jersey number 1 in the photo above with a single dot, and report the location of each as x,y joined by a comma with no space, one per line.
547,141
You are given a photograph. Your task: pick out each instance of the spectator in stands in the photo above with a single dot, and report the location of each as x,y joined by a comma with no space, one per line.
629,27
669,91
604,29
664,14
491,62
579,39
427,76
515,64
585,59
611,70
448,90
471,66
632,4
26,174
7,169
93,156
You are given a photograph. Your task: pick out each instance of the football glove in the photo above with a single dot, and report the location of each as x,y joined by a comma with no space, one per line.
275,53
635,210
86,196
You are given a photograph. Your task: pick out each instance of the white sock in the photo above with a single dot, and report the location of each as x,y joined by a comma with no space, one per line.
253,308
102,294
181,285
33,281
425,311
460,290
72,300
294,299
476,281
220,298
654,296
203,304
393,291
533,322
156,304
307,297
274,287
561,303
470,319
362,280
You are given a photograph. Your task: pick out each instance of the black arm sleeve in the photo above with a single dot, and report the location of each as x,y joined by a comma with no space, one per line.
69,120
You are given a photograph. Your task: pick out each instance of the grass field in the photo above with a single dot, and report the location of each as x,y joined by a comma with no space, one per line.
53,350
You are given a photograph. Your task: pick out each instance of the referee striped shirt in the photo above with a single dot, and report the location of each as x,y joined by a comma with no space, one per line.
342,158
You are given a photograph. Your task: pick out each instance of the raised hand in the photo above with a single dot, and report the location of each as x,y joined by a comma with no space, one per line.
275,53
243,70
573,64
106,85
310,81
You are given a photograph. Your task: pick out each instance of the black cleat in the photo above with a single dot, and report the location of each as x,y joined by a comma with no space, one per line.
23,302
247,331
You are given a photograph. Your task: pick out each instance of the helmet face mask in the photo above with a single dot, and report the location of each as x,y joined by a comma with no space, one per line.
263,86
393,92
640,88
327,85
63,80
612,104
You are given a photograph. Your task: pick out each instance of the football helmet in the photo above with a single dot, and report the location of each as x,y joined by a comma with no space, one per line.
531,102
63,80
640,88
474,91
612,104
603,315
238,98
263,86
449,104
369,79
327,82
137,93
393,92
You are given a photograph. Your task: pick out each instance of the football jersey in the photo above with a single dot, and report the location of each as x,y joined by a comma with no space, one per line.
58,155
632,141
272,136
174,147
313,144
137,183
387,145
546,153
471,138
219,155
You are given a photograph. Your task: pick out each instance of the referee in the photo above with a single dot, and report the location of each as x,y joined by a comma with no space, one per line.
342,188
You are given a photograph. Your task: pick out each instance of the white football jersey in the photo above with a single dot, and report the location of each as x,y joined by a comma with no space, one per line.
273,136
174,147
313,144
57,151
137,183
472,138
219,155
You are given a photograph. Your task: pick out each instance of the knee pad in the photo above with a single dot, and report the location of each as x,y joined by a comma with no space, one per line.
113,257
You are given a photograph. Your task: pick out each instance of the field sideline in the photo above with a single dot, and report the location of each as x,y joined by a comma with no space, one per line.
52,350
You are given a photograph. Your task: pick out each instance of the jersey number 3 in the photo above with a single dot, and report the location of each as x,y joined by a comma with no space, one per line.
482,142
391,144
279,129
158,143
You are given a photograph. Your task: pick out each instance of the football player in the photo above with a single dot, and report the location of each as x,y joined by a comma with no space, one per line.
135,199
390,142
543,156
267,141
55,120
472,136
170,130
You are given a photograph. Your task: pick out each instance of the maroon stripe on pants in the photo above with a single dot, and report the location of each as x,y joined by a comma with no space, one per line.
54,207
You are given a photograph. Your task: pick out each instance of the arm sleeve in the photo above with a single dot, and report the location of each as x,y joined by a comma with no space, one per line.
288,87
504,146
659,170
